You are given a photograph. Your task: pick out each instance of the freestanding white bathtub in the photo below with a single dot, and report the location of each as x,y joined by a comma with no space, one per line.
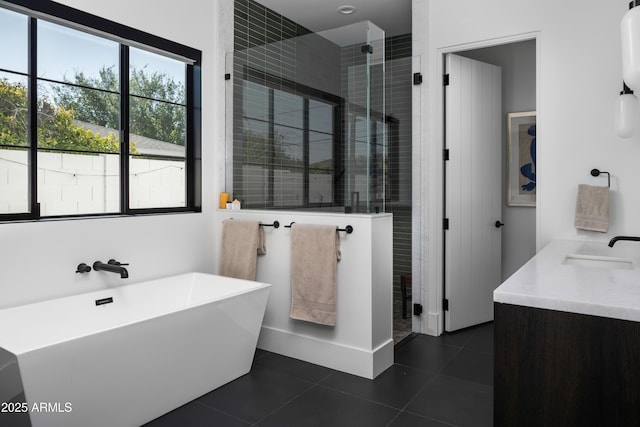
125,356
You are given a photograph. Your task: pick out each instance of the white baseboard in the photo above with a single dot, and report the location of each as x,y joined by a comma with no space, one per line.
356,361
434,324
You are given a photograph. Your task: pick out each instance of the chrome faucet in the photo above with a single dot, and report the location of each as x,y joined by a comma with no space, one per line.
615,239
112,266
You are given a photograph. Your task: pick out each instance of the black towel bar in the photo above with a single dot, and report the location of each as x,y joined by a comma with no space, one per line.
348,229
275,224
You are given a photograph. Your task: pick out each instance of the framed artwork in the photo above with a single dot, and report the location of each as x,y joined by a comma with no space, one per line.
521,159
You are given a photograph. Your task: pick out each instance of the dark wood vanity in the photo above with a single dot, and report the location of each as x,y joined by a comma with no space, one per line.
555,368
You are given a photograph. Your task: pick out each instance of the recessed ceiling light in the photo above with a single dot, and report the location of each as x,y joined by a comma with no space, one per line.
346,9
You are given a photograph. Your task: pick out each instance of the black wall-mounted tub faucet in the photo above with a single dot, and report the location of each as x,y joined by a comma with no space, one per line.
112,266
630,238
83,268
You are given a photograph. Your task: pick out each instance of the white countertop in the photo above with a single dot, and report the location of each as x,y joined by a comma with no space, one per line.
546,281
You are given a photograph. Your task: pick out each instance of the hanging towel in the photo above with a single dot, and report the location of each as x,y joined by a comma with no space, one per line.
592,208
315,251
242,241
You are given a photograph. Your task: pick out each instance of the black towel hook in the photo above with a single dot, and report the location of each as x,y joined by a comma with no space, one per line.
597,172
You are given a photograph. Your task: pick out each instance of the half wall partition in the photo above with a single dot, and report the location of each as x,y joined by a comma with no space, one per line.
306,123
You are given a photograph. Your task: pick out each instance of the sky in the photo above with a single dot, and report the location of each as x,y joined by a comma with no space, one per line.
63,51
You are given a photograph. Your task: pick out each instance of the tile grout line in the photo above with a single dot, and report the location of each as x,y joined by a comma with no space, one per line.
358,397
439,373
283,405
466,381
223,412
424,386
311,383
311,386
326,387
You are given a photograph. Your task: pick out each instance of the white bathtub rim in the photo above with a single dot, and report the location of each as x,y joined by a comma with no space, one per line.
12,340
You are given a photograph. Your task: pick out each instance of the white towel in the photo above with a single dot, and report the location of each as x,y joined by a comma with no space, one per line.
242,241
592,208
315,251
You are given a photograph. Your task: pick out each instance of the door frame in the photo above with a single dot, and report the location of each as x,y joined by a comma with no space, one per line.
450,265
430,256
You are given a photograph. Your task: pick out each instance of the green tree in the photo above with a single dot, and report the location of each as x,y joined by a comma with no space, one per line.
13,114
89,105
153,112
57,128
260,150
152,118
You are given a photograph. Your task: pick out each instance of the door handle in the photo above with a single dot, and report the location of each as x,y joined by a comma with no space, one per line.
499,224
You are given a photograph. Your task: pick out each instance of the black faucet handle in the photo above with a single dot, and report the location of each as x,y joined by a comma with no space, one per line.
114,262
83,268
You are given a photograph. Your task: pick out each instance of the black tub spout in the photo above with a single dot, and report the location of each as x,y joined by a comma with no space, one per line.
630,238
112,266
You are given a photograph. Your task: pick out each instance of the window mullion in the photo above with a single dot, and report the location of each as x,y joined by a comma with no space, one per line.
272,150
339,154
305,152
124,129
32,133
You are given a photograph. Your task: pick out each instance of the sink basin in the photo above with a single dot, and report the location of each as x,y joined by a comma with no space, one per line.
599,262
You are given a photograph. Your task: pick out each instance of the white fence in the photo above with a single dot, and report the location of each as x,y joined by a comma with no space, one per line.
71,184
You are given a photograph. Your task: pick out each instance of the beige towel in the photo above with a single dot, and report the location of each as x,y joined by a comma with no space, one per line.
241,242
315,251
592,208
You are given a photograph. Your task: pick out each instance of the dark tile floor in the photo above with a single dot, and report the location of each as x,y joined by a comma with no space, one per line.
435,381
401,327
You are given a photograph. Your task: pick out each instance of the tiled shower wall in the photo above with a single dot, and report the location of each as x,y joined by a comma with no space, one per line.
398,104
256,25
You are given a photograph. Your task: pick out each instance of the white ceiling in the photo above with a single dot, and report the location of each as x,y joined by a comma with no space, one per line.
393,16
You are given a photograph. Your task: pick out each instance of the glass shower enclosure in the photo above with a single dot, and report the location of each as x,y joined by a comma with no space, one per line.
306,123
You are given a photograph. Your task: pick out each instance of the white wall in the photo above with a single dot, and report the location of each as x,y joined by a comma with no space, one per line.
578,79
38,260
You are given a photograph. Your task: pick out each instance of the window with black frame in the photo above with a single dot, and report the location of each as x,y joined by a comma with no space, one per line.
286,146
91,124
295,148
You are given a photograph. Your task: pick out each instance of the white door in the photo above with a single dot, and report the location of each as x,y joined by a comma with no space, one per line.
473,191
